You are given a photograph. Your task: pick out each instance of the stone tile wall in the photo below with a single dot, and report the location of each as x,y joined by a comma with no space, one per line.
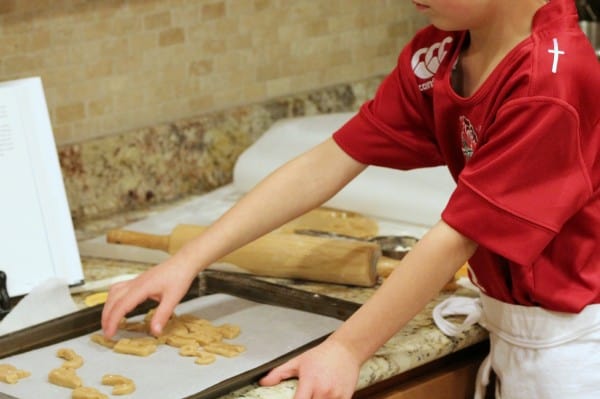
112,66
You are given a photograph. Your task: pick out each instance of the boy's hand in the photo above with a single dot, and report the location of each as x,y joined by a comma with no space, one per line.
165,283
327,371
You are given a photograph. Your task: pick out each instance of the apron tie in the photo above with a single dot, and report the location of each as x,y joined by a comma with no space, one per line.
457,306
472,309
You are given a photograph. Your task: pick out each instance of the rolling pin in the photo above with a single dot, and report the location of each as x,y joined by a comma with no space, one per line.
277,255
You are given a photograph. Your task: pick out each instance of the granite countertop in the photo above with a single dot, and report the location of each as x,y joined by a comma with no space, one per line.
418,343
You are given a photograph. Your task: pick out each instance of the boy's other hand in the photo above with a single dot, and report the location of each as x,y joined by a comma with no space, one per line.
327,371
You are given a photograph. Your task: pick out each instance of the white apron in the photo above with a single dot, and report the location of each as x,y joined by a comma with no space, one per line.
535,353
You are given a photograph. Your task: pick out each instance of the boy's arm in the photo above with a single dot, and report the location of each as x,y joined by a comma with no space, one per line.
334,365
416,281
297,187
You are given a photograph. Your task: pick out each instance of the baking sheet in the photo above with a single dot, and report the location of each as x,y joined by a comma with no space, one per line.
268,332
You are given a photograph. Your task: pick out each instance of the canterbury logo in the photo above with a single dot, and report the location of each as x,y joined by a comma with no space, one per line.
426,61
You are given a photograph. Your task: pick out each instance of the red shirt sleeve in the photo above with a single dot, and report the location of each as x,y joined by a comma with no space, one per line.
526,179
394,129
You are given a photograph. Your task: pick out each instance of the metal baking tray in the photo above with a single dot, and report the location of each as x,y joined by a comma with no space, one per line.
242,286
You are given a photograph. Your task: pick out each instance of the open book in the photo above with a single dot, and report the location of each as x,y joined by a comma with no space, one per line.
37,239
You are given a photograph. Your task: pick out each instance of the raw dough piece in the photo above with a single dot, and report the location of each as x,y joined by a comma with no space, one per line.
205,337
87,393
187,332
121,385
95,299
179,341
173,327
102,340
139,326
11,375
190,319
229,331
224,349
72,359
205,358
64,377
189,350
135,346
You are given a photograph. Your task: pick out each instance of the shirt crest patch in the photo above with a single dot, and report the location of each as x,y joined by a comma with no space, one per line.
468,137
426,61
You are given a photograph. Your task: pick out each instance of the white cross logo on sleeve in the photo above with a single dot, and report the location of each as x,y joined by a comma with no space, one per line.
557,53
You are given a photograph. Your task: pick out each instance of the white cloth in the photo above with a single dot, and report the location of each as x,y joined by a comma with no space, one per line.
535,353
46,301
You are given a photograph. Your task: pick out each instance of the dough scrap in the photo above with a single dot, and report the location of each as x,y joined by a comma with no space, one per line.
11,375
87,393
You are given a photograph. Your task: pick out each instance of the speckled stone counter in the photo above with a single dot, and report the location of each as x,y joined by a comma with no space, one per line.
161,163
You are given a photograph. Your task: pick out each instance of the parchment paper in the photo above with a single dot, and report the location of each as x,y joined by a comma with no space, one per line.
268,332
414,197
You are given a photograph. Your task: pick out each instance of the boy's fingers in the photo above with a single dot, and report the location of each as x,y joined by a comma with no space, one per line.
162,314
119,303
278,374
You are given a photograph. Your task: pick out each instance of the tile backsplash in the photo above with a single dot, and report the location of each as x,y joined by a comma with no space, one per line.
112,66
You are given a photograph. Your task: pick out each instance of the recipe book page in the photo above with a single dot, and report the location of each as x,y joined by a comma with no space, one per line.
37,239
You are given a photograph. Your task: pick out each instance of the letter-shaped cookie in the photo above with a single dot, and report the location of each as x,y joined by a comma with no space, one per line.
64,377
72,359
133,346
121,385
102,340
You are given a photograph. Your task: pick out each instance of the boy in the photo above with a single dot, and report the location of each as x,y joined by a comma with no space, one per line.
502,93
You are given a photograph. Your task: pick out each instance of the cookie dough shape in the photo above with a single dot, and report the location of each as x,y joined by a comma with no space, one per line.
11,375
121,385
224,349
139,326
229,331
87,393
64,377
72,359
189,349
135,346
102,340
204,358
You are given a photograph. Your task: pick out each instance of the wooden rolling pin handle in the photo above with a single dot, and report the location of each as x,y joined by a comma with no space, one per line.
144,240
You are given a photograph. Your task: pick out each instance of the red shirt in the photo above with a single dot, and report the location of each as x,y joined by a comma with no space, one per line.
523,149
